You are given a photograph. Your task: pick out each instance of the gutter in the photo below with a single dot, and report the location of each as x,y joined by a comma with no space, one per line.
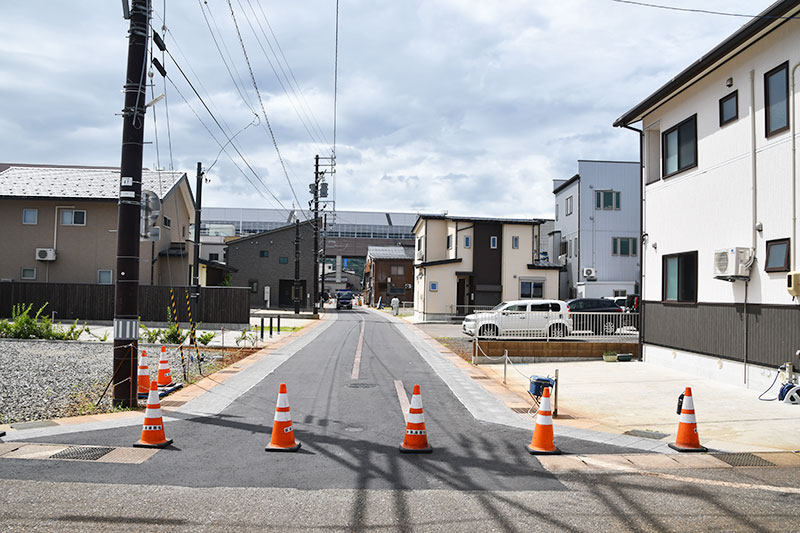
641,237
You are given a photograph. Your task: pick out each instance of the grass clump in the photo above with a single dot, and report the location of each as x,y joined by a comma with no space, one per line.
23,325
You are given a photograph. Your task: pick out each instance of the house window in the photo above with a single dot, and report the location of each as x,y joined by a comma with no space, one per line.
729,108
679,283
398,270
531,288
167,222
606,200
620,292
467,241
283,260
623,246
449,241
27,273
213,257
777,256
253,286
73,217
515,242
433,286
556,212
262,253
30,216
104,277
568,206
680,147
493,242
419,244
776,99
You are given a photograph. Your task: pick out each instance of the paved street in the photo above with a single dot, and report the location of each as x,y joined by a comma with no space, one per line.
349,474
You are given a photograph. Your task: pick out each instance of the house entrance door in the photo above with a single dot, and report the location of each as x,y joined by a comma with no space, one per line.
462,296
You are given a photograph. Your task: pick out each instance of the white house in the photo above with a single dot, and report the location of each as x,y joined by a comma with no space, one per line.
720,206
597,229
463,263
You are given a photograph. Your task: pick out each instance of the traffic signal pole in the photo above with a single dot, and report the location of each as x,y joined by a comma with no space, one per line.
126,298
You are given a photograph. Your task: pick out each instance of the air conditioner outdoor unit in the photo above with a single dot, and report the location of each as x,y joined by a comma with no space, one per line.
590,273
732,263
562,260
45,254
420,256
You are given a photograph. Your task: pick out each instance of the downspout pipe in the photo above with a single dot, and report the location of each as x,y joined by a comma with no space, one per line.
793,122
641,232
754,221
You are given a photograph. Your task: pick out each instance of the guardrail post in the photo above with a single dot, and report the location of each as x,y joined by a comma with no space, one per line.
270,327
262,328
279,324
505,365
555,394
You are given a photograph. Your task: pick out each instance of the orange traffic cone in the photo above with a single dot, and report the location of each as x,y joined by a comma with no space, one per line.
282,429
143,376
688,440
153,430
416,439
542,441
164,375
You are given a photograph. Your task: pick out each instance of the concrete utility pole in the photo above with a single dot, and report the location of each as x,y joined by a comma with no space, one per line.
126,302
296,291
317,178
196,258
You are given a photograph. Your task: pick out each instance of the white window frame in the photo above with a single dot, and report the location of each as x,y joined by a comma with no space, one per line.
110,276
533,282
70,221
616,246
568,206
27,278
449,241
35,216
616,200
493,242
167,222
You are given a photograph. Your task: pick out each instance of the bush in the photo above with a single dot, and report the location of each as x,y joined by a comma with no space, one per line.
25,326
205,338
173,334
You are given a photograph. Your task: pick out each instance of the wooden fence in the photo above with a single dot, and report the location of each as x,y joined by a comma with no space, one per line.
70,301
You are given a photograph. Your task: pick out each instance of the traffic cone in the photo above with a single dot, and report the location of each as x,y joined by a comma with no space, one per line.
164,375
153,429
416,439
688,440
542,441
282,429
143,377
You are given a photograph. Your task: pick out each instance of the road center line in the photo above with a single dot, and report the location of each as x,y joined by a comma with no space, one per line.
403,397
357,362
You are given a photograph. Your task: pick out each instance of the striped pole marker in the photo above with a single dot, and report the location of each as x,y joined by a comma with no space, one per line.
416,439
153,430
282,428
688,440
542,441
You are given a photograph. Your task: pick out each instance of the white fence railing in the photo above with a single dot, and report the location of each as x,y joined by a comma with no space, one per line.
620,327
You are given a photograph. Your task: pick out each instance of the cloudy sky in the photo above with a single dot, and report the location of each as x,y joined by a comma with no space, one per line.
470,107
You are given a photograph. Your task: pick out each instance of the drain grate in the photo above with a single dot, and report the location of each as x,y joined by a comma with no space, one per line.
523,410
646,433
361,385
480,377
82,453
742,459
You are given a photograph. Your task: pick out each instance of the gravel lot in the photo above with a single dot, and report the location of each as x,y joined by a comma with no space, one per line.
50,379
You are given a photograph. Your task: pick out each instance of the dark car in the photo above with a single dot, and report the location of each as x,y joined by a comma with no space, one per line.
607,323
344,300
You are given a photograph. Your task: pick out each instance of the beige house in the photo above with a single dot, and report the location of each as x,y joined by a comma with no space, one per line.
60,225
463,264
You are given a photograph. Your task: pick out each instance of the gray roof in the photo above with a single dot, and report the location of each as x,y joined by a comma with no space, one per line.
379,218
390,252
91,183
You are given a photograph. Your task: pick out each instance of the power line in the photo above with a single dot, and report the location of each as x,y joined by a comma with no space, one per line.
704,11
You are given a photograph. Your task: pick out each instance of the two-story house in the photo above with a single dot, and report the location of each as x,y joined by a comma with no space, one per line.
720,200
60,223
389,273
465,263
596,233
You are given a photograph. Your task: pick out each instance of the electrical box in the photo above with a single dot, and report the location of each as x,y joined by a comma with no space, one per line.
793,283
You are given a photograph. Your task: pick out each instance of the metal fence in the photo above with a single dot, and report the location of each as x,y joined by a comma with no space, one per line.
617,327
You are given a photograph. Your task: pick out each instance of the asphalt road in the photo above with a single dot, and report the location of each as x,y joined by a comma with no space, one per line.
349,474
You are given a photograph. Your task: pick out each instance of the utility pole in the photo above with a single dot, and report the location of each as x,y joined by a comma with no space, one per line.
196,259
296,291
126,299
324,246
317,178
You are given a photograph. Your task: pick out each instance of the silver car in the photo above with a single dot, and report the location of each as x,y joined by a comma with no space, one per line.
521,318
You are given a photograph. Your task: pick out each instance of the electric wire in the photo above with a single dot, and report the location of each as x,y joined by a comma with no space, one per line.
704,11
263,109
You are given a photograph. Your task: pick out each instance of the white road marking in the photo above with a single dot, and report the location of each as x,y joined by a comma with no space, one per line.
403,397
357,362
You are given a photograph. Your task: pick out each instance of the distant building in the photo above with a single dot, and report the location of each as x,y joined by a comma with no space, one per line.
463,263
60,222
389,273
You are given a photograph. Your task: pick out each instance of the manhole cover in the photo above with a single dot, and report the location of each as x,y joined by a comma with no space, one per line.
354,429
742,459
361,385
646,433
82,453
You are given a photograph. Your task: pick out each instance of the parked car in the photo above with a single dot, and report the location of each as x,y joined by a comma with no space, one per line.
520,318
607,323
619,300
344,300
